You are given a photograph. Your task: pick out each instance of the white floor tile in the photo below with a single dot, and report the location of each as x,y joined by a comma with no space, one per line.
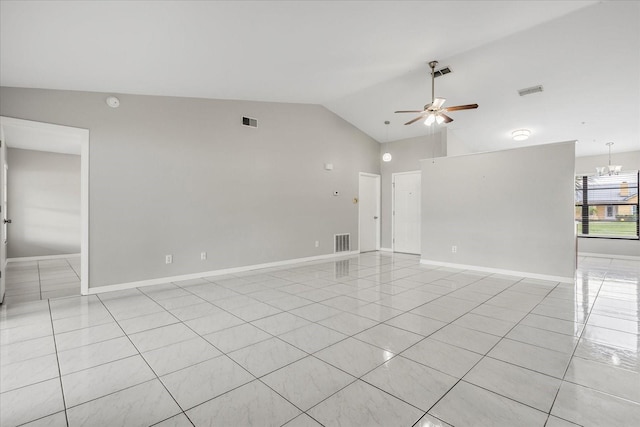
30,403
253,404
307,382
266,356
520,384
180,355
589,407
469,405
354,356
89,384
141,405
412,382
204,381
361,404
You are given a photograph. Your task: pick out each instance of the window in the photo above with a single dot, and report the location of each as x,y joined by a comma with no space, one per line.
610,213
607,206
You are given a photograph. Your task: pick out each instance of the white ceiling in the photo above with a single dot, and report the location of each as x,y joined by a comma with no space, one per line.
361,59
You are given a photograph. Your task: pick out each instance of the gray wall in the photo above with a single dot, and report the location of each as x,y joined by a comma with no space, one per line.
180,176
587,165
510,210
407,154
43,203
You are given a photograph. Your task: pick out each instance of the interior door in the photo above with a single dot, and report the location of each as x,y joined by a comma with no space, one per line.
369,212
406,217
3,215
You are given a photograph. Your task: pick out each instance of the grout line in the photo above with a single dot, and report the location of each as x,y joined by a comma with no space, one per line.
55,345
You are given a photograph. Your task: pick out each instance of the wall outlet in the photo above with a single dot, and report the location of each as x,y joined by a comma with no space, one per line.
203,256
168,259
454,249
317,244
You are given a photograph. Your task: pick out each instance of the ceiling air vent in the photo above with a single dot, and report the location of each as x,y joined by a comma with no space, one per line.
441,72
248,121
530,90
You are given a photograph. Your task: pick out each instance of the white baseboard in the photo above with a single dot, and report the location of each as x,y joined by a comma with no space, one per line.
386,250
42,257
161,280
500,271
595,255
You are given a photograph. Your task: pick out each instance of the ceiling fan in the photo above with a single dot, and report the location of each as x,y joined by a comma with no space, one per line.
434,112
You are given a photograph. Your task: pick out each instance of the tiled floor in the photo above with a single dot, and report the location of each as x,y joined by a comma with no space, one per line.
35,280
371,340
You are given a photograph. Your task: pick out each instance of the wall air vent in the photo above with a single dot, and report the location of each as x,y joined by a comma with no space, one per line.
530,90
248,121
441,71
341,243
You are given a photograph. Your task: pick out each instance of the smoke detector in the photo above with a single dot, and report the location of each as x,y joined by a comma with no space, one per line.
113,102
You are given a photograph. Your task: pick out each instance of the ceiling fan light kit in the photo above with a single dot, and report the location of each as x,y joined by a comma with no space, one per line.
434,112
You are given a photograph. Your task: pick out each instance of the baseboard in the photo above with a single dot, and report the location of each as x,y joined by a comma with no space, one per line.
386,250
42,257
161,280
500,271
595,255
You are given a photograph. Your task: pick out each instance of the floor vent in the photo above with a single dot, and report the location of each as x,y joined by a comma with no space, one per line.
342,243
248,121
441,72
530,90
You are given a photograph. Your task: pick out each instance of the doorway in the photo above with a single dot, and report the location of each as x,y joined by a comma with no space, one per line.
49,138
406,212
369,212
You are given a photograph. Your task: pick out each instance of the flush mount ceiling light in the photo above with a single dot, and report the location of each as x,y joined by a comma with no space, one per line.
611,169
520,134
113,102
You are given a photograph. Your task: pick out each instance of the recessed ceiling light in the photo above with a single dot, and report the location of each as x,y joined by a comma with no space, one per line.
520,134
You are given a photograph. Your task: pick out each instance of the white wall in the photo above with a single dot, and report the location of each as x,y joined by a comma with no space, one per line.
507,210
407,154
43,203
614,247
180,176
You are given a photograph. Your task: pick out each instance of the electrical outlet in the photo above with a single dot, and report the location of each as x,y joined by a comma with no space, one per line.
454,249
317,244
168,259
203,256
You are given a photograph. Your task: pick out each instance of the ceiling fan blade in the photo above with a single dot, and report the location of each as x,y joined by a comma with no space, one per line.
446,118
421,116
461,107
437,103
409,111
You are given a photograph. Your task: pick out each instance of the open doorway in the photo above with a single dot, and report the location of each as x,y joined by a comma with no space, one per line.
45,247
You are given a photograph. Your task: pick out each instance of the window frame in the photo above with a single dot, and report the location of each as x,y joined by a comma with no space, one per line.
585,208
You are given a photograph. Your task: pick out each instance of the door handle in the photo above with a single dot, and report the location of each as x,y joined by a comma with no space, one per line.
7,221
375,217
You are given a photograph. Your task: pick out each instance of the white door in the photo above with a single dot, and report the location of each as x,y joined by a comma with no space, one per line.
369,212
406,212
3,215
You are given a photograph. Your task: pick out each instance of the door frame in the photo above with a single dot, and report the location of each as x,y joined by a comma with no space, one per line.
3,215
81,136
393,204
377,178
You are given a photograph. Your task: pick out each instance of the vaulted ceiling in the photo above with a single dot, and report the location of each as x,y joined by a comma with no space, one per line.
361,59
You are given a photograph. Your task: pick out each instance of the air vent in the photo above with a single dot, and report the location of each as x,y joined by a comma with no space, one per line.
248,121
341,243
441,72
530,90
